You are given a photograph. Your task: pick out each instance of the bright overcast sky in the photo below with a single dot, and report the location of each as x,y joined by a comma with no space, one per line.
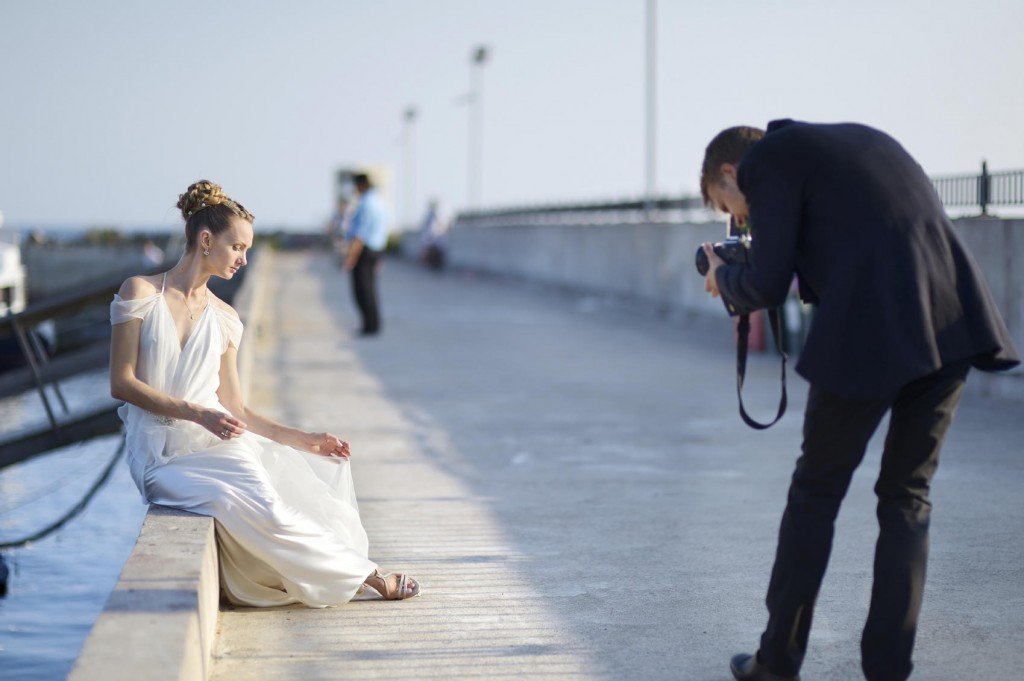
109,109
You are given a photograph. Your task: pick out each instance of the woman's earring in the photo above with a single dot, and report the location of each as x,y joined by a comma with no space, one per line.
206,251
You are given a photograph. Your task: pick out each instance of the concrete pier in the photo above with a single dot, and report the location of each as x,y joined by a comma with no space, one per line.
570,482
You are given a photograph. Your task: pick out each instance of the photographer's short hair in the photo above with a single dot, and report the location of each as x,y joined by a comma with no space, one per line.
361,180
728,146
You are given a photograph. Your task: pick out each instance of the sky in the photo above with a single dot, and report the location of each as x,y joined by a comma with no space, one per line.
108,110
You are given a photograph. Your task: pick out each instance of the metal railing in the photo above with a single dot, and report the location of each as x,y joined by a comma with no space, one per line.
1004,188
655,209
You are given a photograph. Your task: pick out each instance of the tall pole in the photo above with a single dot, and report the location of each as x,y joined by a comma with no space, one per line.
651,105
476,125
408,213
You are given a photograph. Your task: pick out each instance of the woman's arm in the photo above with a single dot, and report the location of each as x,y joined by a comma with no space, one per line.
125,385
230,395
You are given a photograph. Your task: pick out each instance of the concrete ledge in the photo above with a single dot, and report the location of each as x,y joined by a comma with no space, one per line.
161,619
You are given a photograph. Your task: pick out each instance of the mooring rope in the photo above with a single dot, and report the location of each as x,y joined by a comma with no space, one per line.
52,486
75,510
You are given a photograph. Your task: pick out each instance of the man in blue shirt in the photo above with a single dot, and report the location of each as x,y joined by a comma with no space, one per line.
367,236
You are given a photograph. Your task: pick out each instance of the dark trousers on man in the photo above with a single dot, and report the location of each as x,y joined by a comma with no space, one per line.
836,433
364,288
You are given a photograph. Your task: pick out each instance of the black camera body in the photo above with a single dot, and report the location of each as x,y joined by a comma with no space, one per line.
735,250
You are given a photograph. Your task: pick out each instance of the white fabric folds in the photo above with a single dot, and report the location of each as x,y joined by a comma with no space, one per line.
288,524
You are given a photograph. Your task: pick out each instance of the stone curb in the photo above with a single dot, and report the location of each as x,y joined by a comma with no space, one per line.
161,619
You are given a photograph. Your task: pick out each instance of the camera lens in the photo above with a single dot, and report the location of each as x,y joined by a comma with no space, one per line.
702,262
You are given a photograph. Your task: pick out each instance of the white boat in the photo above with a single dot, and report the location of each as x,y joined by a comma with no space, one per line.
12,273
13,299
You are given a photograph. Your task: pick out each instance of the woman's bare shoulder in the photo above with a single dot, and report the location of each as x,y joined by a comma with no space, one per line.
224,307
139,286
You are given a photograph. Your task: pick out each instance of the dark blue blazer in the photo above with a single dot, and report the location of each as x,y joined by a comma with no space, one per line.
846,209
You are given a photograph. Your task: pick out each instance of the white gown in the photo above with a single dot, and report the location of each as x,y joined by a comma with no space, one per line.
288,526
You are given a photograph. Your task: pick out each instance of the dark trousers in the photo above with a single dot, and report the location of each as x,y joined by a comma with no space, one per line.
836,433
364,288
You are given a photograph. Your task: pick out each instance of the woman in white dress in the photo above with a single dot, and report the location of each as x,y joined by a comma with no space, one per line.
288,526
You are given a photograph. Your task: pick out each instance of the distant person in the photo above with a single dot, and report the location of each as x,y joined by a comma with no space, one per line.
338,226
434,231
152,255
367,237
287,522
902,315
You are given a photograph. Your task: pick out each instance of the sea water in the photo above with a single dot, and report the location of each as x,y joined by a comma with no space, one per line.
57,586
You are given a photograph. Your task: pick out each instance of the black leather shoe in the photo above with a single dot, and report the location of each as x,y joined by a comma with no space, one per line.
746,668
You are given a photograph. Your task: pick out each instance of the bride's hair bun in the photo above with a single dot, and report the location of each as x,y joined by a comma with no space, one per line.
204,205
200,195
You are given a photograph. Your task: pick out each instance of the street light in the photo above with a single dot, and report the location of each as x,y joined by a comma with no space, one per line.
409,164
651,106
476,123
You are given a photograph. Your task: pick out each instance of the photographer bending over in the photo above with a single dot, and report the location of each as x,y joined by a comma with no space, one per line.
902,314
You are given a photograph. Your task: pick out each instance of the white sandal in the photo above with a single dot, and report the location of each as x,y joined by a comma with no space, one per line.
401,593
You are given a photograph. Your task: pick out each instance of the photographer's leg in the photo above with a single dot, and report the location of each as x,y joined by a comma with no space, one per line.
836,433
920,418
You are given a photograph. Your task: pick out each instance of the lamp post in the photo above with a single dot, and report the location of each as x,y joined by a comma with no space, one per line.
651,168
476,124
409,164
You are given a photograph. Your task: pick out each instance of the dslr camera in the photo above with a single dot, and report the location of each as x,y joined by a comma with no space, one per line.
735,250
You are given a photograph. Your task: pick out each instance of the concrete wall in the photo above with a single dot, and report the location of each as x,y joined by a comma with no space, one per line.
650,262
653,263
998,247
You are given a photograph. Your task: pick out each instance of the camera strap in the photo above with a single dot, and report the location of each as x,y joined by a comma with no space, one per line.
741,366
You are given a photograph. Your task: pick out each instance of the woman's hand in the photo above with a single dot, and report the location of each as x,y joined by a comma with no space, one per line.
325,444
224,426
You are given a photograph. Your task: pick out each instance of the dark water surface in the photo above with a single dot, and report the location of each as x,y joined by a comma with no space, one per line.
59,584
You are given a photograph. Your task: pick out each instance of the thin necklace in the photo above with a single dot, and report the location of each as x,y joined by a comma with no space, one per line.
191,315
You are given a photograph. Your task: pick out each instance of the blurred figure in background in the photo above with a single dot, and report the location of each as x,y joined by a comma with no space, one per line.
367,237
434,230
152,255
337,227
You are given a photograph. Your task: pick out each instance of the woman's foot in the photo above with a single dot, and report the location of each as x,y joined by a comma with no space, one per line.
393,586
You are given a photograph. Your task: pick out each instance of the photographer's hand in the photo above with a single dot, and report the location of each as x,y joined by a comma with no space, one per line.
714,262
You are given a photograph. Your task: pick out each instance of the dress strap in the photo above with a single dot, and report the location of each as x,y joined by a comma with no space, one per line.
163,284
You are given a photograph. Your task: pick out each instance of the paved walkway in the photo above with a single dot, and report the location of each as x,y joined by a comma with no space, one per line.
572,485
